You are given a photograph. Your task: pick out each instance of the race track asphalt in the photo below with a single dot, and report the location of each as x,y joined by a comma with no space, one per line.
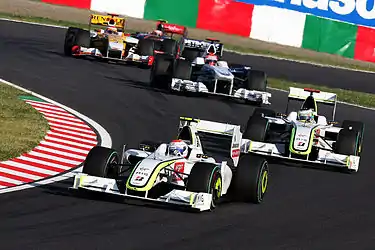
304,209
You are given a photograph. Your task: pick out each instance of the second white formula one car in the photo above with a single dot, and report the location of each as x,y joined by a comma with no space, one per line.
201,69
305,136
194,171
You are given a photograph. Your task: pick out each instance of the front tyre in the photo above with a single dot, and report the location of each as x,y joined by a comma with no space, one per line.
102,162
206,178
250,181
75,36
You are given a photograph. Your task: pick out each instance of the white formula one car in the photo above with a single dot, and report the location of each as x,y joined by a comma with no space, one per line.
201,70
306,136
194,171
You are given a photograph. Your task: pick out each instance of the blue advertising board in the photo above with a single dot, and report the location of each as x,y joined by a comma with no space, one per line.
360,12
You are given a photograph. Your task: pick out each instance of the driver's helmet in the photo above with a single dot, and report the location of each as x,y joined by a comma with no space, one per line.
211,59
178,148
157,33
306,115
111,30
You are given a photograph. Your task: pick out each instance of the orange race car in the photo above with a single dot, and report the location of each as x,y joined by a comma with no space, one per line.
107,39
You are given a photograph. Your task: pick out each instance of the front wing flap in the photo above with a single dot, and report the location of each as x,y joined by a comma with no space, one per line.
181,198
93,52
325,157
199,87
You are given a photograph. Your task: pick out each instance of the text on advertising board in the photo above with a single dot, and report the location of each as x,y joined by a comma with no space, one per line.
360,12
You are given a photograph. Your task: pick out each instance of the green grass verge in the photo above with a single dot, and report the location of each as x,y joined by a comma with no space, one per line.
353,97
21,126
364,99
282,53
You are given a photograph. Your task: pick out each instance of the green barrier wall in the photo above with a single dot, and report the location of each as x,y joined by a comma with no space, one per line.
329,36
183,12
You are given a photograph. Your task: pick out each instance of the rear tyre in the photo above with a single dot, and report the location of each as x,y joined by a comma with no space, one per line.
256,129
146,47
190,54
182,70
264,112
250,181
206,178
76,36
101,162
170,47
161,73
256,80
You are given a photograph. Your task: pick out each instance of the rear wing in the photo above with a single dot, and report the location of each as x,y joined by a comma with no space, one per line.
106,20
232,132
171,28
203,45
319,96
301,94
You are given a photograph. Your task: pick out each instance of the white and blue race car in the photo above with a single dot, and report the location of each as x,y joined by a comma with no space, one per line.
201,70
194,171
306,136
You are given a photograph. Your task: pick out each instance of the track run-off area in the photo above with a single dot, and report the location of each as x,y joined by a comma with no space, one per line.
304,208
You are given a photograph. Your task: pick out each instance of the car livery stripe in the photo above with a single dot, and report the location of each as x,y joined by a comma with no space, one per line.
65,146
150,182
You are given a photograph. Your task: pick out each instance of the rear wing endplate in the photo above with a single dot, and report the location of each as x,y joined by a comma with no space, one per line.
203,45
208,126
218,128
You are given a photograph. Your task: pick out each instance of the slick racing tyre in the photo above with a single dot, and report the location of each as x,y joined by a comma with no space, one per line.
206,178
264,112
182,70
190,54
76,36
161,72
256,80
250,180
170,47
146,47
101,162
256,129
350,138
